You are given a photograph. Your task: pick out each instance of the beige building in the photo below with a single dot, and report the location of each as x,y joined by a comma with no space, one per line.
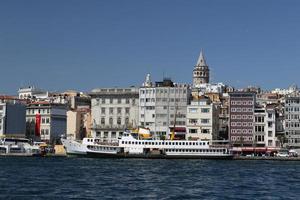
202,119
113,110
78,123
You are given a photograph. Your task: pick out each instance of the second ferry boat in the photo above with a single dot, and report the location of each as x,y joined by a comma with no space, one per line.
131,146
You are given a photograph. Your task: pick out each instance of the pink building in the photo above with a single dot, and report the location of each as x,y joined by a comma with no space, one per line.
241,116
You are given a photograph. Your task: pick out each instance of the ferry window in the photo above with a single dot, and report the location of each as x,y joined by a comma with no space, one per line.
122,142
176,150
129,142
143,142
179,143
163,143
159,143
139,142
176,143
207,143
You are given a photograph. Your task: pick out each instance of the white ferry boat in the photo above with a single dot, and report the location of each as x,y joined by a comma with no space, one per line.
18,147
129,146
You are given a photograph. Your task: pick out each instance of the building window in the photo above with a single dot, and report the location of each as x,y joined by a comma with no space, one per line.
103,111
205,110
105,134
270,124
193,130
193,121
119,120
47,120
205,131
113,135
102,120
119,110
270,143
111,110
103,101
111,101
127,101
127,110
126,120
270,134
111,121
119,100
204,121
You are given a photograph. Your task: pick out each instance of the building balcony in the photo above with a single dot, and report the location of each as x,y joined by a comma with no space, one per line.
110,127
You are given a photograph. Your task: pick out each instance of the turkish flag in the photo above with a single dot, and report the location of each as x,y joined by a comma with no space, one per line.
37,124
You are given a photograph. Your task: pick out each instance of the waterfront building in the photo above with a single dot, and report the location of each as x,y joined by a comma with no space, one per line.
265,126
45,121
32,93
202,119
268,98
208,88
78,123
241,118
162,104
113,110
12,117
224,117
292,120
292,89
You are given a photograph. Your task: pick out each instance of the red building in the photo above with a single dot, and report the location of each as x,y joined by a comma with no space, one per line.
241,116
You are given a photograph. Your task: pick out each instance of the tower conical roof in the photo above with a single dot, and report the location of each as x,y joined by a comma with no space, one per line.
201,60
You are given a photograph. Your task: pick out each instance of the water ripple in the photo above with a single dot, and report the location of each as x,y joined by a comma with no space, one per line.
84,178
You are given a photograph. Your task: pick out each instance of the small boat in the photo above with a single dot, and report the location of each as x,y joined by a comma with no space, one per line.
131,146
18,147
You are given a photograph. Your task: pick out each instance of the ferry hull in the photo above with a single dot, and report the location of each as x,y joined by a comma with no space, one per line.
90,147
155,156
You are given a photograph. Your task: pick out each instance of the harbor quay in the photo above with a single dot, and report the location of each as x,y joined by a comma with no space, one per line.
163,117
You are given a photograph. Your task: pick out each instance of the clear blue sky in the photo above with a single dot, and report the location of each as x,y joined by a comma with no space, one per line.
59,45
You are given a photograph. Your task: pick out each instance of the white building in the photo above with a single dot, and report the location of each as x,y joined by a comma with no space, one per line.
265,126
12,117
113,110
202,120
159,103
32,92
46,121
202,89
292,120
291,89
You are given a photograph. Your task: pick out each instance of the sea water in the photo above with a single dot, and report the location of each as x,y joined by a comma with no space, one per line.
87,178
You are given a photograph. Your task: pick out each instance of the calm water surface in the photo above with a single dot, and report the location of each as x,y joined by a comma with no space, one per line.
84,178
